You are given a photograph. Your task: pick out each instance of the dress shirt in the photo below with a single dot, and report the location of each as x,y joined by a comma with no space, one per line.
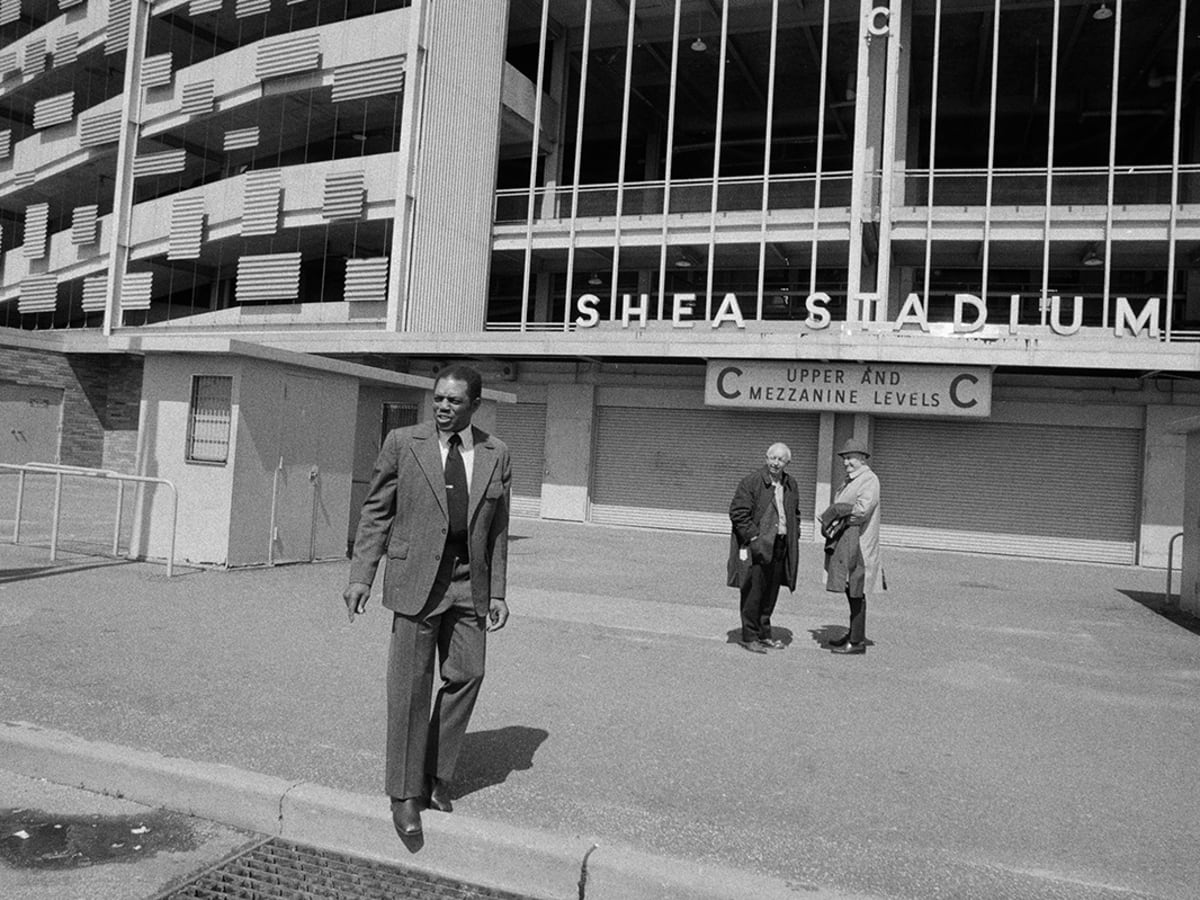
467,449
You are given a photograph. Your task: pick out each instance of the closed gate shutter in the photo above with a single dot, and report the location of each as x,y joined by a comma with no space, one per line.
522,426
678,468
1062,492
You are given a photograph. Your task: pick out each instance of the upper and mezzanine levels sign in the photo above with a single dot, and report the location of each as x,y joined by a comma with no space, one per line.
884,388
971,313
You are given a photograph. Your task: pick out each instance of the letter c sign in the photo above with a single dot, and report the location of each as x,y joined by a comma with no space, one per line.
724,391
879,22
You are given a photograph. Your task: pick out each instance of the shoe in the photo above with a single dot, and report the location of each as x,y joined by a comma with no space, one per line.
439,796
752,646
842,641
848,649
772,643
406,816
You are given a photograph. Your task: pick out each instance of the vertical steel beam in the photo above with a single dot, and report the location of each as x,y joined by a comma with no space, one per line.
716,176
535,143
131,115
616,260
670,153
574,224
766,178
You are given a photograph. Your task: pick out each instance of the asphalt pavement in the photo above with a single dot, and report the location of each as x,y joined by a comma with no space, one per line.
1016,729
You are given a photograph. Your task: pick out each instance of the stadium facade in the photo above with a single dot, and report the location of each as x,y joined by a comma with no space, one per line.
673,231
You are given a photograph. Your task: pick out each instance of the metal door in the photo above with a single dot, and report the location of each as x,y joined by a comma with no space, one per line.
298,474
30,423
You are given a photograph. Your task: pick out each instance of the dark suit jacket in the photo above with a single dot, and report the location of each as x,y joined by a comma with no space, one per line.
756,523
405,515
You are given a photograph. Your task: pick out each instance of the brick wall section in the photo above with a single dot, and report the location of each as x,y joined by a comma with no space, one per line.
101,394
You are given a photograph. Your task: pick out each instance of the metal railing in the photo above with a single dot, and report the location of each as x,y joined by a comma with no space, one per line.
1171,566
59,472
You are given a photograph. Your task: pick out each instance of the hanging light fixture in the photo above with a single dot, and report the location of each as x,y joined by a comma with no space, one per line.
594,280
698,44
1102,13
1092,257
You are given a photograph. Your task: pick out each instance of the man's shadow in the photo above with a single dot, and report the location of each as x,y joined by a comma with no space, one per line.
489,756
734,635
826,633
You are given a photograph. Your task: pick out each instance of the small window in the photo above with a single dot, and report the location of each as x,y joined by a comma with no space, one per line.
397,415
208,419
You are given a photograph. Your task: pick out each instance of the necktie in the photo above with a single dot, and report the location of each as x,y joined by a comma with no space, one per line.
456,490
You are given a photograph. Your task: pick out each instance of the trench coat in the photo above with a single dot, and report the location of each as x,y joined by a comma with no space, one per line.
862,494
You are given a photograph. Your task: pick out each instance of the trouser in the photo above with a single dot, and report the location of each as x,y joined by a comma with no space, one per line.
422,743
761,591
858,618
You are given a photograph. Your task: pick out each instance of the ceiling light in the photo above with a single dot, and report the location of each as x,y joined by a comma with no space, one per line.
594,280
698,45
1102,13
1091,257
684,262
359,136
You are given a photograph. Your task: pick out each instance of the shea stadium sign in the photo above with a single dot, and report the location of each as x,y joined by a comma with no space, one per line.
1063,316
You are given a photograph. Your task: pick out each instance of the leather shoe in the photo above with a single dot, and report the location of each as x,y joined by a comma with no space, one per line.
772,643
840,642
406,816
439,796
752,646
848,649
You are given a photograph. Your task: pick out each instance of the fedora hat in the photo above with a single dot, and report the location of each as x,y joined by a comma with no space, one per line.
854,445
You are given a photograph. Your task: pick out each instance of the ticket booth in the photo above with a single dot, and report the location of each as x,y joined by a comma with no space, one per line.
260,445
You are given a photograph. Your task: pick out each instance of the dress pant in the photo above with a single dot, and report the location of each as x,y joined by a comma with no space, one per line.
858,619
760,592
421,742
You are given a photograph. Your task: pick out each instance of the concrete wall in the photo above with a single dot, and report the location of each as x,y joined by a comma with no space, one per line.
1189,589
205,490
100,402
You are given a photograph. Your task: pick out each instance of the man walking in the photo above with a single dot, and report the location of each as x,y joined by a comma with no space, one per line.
438,506
764,544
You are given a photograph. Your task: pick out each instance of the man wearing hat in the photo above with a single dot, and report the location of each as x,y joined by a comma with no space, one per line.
852,559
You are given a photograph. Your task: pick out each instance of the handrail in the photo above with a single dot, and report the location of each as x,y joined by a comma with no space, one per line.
1171,566
58,471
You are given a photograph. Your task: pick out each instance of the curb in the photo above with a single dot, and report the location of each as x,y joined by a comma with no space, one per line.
493,854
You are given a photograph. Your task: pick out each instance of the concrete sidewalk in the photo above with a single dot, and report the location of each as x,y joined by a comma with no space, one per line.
1018,729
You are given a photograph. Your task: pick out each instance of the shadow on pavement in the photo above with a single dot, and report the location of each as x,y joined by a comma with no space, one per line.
1155,603
488,757
32,572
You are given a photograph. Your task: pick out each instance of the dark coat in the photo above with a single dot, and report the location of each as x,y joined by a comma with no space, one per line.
756,521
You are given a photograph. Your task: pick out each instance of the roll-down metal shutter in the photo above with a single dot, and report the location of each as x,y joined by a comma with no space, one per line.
678,468
1062,492
522,426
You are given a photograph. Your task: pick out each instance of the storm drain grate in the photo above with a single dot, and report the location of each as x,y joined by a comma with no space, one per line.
280,870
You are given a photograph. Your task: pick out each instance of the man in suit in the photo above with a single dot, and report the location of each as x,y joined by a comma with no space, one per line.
438,506
764,544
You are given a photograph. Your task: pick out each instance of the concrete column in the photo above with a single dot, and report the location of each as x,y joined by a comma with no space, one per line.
826,475
1189,588
570,417
1163,461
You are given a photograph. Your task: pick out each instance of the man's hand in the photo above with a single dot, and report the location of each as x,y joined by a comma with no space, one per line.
356,596
497,614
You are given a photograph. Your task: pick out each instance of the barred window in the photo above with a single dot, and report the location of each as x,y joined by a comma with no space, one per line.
208,419
397,415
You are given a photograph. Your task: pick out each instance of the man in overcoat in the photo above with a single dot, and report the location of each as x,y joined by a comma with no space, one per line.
852,561
763,547
437,505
